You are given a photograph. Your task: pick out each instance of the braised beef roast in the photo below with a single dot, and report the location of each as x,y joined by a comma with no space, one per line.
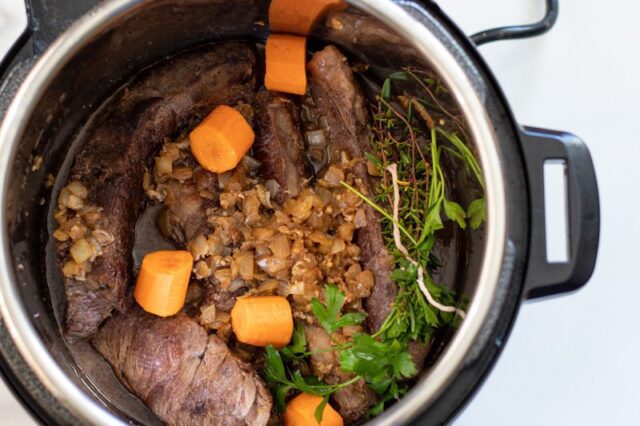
340,100
184,375
279,144
375,42
111,165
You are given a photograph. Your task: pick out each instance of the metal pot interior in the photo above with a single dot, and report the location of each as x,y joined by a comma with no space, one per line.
100,60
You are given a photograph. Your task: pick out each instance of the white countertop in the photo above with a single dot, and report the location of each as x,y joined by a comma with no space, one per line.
574,359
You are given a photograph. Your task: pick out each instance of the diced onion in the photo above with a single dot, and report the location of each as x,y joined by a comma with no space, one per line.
272,265
71,268
345,231
236,284
81,250
60,235
280,246
78,189
245,266
268,286
334,176
164,165
316,138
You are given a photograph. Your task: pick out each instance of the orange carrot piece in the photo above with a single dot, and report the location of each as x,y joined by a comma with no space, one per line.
298,16
301,411
286,64
262,321
221,140
162,284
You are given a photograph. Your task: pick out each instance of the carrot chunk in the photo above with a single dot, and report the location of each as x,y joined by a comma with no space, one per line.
286,64
221,140
298,16
301,411
162,284
262,321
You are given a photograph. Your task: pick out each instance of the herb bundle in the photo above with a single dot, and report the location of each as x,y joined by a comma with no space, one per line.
411,135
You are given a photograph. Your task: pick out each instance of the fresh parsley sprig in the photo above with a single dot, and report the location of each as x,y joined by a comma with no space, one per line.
328,313
383,365
380,363
282,380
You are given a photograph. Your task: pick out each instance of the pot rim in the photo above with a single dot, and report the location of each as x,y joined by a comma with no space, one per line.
443,61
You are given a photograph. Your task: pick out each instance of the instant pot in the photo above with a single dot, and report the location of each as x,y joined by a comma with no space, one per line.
76,53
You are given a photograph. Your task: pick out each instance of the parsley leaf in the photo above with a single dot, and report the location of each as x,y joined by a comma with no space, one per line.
298,346
380,363
281,392
320,409
385,93
274,369
454,211
276,377
432,223
399,75
328,314
476,213
282,382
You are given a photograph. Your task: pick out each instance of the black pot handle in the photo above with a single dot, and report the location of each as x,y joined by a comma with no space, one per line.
520,31
47,19
544,278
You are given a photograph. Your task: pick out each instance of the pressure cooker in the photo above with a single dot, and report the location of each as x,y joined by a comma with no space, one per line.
74,54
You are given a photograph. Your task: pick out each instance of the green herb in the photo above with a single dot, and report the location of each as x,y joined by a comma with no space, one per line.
386,89
320,408
297,349
476,213
399,75
377,208
384,365
328,314
417,150
379,363
282,381
454,211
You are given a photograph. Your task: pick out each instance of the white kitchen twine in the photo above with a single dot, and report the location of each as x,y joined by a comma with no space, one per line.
393,170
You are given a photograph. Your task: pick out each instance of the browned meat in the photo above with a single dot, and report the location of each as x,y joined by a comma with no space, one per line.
380,262
418,352
111,165
222,299
355,400
186,212
339,99
322,362
184,375
185,217
279,144
367,37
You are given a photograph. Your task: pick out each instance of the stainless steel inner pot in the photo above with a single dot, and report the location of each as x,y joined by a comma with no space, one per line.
109,45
